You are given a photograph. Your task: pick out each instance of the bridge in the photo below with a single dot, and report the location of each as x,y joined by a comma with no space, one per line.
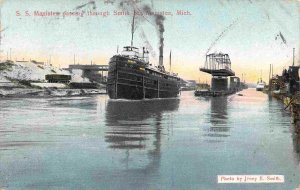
91,71
88,67
219,66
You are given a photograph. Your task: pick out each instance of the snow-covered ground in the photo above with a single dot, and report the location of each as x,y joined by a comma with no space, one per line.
3,79
13,73
49,85
34,72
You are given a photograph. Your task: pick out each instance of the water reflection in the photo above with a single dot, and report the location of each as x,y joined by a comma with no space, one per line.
219,110
296,143
126,144
137,126
88,103
131,123
218,128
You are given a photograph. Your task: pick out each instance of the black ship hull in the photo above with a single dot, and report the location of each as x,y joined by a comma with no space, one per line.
128,79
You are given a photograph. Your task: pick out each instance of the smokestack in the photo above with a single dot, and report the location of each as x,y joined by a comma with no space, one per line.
159,24
161,59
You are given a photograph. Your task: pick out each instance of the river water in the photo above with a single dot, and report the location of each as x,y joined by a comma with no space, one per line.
181,143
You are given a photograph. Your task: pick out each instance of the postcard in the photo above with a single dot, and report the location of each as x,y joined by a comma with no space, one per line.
149,94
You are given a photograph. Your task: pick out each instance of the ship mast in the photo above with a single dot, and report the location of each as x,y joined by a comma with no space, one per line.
170,60
132,28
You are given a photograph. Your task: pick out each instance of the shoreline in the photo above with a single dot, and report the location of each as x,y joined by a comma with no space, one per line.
47,92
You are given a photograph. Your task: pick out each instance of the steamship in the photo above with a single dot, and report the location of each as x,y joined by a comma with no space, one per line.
260,85
131,76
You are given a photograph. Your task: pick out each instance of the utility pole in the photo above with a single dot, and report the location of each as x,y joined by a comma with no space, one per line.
293,56
272,70
270,76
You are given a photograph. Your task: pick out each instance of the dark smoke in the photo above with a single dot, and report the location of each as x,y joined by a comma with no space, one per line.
147,44
159,21
146,10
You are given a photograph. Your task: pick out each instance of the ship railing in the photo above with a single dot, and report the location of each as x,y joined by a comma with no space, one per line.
131,52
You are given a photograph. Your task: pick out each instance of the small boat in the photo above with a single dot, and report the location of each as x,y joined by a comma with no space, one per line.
202,92
239,94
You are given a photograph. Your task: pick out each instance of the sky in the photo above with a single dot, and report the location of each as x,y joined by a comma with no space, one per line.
255,33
